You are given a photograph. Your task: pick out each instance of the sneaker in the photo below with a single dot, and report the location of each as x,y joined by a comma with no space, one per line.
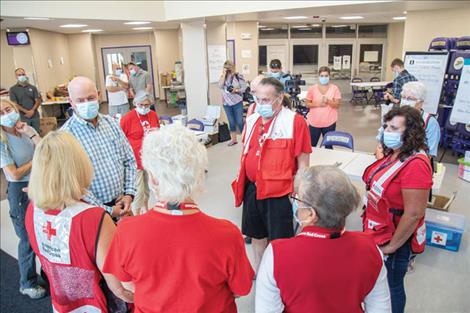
232,143
37,292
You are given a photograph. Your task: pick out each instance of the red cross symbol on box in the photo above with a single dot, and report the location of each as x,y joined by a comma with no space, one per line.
49,230
438,239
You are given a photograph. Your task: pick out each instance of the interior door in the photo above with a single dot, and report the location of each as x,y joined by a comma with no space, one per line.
277,52
305,59
340,57
371,56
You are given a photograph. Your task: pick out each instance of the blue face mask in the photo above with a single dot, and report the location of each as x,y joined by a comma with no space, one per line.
392,140
255,99
22,78
9,120
133,72
277,75
324,80
265,110
118,72
88,110
295,208
142,110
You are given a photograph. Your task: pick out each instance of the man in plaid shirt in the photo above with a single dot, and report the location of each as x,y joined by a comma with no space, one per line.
401,77
107,147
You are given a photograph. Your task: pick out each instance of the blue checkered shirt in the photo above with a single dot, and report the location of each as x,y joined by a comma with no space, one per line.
399,81
113,161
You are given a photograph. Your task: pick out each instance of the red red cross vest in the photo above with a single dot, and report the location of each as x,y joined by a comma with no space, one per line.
322,270
276,165
426,117
379,219
66,246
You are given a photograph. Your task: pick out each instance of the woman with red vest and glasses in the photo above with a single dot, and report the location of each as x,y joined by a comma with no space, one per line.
397,192
324,268
70,237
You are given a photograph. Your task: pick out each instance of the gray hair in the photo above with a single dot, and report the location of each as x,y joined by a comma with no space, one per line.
141,96
271,81
330,192
417,89
177,161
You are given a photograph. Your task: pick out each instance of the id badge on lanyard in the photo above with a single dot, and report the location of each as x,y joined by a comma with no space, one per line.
144,124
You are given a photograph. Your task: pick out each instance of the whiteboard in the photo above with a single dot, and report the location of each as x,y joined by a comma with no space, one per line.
371,56
461,110
429,68
216,57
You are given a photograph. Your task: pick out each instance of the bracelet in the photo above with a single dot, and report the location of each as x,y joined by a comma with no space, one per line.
32,136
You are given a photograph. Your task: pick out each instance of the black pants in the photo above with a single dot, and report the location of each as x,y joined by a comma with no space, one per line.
315,133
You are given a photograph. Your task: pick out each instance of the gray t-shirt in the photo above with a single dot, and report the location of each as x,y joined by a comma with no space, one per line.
17,151
140,81
24,95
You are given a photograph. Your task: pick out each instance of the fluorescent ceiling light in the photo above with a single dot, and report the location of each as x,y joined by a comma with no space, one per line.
316,25
337,26
261,26
299,26
73,25
268,28
404,12
399,18
142,28
37,18
91,30
294,17
137,23
351,17
305,28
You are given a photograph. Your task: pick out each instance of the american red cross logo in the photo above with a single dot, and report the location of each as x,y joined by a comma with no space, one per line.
47,229
438,239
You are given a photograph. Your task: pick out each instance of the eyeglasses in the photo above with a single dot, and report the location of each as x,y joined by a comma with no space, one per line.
295,198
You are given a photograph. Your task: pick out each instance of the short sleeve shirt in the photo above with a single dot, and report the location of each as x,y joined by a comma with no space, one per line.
118,97
25,95
188,263
433,135
301,144
17,151
140,81
322,116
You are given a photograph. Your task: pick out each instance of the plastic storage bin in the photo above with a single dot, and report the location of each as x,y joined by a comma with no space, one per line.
444,230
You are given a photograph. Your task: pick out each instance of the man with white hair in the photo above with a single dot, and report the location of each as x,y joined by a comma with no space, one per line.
414,94
113,161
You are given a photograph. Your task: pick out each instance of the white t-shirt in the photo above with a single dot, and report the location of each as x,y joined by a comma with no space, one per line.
118,97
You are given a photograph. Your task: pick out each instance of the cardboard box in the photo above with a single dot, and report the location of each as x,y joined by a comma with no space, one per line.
47,124
444,230
210,119
441,203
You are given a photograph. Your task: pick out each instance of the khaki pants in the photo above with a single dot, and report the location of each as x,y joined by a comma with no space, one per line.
142,192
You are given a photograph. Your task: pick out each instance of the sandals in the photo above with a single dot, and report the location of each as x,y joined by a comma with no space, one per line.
232,143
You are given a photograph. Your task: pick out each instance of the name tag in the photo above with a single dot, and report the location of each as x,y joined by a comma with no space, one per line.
377,189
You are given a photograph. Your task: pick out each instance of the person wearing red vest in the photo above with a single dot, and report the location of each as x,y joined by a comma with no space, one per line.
324,268
178,258
397,191
69,236
135,125
276,143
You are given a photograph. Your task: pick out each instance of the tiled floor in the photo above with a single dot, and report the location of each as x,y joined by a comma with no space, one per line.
440,283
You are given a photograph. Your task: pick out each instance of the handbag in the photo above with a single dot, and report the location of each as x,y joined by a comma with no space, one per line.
224,132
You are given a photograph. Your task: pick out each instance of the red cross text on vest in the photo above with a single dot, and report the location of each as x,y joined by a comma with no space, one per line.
49,230
438,239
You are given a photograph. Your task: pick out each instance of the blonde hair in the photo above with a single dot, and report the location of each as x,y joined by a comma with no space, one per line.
61,171
3,137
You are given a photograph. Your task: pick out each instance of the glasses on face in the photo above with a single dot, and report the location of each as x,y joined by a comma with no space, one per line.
294,197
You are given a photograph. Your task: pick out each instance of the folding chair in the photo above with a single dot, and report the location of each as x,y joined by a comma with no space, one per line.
338,138
195,124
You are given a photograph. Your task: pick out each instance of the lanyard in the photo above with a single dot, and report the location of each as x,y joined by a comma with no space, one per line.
181,207
322,235
143,123
378,169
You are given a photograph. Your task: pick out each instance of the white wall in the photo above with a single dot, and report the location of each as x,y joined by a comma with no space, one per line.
167,51
195,68
394,47
82,56
7,77
422,26
234,31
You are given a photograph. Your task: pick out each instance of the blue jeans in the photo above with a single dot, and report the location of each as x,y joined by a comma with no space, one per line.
234,116
397,265
18,201
316,132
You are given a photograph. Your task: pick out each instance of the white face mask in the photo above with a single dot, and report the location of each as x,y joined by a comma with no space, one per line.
409,102
142,110
88,110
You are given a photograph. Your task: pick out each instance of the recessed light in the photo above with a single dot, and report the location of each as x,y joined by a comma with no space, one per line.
141,28
91,30
73,25
38,18
351,17
399,18
137,23
294,17
337,26
404,12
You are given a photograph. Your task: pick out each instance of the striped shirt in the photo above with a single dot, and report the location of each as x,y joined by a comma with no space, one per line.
238,82
113,161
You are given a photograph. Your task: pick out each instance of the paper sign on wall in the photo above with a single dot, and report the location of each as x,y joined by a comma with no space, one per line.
371,56
461,110
246,54
246,69
337,63
346,62
216,56
429,68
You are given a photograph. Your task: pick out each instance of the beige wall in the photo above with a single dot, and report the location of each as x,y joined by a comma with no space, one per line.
51,46
7,77
216,35
422,26
82,56
394,46
167,51
109,41
234,30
